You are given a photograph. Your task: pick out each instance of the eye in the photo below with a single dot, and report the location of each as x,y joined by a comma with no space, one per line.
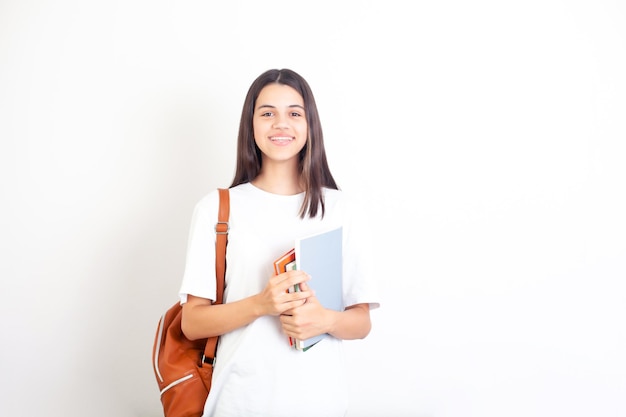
267,114
295,114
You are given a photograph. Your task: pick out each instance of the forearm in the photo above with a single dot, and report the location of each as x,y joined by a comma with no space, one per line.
201,319
352,323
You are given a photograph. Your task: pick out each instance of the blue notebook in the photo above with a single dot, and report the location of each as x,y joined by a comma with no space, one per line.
320,256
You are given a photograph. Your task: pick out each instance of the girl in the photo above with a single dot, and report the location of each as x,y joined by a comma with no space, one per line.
282,190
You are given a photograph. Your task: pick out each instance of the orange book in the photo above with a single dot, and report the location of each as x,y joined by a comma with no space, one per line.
280,264
283,264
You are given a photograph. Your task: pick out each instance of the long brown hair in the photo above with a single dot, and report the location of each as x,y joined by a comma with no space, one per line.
313,166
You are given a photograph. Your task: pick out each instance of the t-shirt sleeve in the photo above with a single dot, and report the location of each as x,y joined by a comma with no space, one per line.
199,276
360,269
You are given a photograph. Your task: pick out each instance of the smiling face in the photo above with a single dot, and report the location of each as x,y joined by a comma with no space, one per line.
279,124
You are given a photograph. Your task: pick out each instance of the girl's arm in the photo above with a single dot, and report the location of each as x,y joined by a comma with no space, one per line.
202,319
352,323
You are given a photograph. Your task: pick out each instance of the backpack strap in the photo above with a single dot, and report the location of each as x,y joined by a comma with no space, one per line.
221,233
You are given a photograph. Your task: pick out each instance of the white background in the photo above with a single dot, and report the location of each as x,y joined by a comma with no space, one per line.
488,138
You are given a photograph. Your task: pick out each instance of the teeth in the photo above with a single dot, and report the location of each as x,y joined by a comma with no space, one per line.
281,138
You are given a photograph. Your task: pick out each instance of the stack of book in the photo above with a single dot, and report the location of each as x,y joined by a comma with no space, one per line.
320,256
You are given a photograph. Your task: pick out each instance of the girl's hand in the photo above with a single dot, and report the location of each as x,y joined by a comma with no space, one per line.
308,319
275,299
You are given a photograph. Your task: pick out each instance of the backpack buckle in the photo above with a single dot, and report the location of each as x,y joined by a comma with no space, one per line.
222,228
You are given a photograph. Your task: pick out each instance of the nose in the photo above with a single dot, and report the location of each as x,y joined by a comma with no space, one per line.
280,122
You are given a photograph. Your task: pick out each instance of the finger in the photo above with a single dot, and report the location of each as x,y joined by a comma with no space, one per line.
297,275
294,280
298,297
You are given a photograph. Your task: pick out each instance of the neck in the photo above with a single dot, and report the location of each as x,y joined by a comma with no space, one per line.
278,180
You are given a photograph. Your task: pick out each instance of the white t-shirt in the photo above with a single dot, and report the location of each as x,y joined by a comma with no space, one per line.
257,372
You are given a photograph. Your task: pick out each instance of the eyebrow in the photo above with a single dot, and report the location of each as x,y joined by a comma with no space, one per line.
291,106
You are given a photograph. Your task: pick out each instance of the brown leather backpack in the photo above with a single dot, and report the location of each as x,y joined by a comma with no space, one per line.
183,368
